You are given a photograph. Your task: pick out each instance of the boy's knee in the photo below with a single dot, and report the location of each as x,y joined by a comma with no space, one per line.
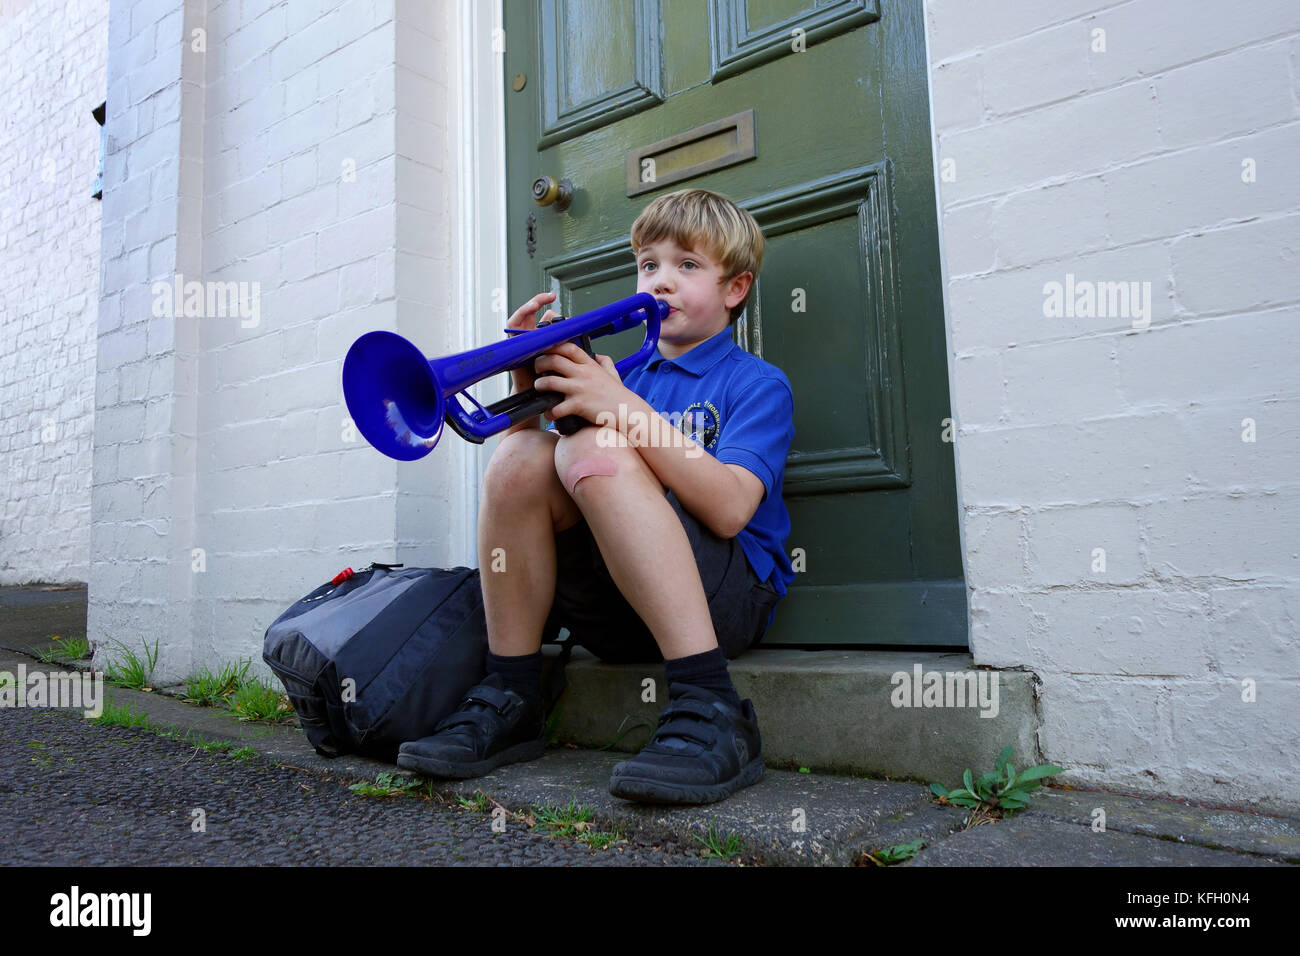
523,461
597,451
585,467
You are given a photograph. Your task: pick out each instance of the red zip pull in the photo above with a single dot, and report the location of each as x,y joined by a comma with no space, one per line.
341,577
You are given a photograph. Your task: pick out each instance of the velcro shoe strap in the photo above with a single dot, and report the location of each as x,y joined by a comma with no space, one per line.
460,718
683,706
702,734
489,695
688,719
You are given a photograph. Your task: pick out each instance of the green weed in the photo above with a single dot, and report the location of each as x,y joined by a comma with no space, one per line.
890,855
602,839
130,670
387,784
115,716
574,820
1002,790
568,820
621,733
552,721
717,844
64,650
210,690
258,701
478,803
210,746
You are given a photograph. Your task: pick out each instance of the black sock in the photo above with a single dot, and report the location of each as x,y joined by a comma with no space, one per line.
522,674
707,670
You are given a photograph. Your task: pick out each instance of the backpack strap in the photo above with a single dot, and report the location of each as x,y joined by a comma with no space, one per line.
322,741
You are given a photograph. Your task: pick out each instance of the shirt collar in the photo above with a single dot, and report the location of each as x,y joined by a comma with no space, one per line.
700,359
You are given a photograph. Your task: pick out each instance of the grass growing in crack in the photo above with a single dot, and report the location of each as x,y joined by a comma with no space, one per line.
64,650
207,689
572,820
257,701
715,843
115,716
552,721
125,716
131,670
575,820
479,803
621,733
247,698
387,784
568,820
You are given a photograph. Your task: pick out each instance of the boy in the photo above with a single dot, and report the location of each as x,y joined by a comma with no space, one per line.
646,549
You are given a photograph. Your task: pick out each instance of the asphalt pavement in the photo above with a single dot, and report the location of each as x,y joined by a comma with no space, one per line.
77,794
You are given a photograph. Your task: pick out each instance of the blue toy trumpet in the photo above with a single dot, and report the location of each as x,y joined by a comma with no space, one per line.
399,400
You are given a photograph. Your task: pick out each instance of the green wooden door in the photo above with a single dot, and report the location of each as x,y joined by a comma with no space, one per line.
833,96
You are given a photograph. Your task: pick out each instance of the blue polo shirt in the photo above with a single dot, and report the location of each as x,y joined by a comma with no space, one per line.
741,409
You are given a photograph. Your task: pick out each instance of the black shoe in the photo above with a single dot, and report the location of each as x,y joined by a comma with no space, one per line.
703,751
492,727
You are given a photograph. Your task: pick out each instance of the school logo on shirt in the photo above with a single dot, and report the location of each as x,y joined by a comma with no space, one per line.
702,423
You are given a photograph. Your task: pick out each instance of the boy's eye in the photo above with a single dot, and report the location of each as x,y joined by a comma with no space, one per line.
688,262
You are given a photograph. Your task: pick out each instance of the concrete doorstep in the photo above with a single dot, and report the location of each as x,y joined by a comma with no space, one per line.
793,818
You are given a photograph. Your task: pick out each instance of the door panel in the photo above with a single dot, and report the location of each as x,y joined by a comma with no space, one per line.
600,62
747,33
848,302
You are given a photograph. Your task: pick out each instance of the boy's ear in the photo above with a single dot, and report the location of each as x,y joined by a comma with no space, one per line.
738,287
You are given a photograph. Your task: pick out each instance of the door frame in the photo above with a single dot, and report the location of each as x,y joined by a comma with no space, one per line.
480,220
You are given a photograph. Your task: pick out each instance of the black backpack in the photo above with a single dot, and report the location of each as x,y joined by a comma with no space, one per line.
375,658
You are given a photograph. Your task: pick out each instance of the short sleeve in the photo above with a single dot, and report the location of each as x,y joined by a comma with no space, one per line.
759,429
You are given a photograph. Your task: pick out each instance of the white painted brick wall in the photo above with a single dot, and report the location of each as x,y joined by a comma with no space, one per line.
52,69
267,160
1085,433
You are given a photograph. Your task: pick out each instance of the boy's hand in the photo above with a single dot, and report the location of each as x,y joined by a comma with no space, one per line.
525,317
590,386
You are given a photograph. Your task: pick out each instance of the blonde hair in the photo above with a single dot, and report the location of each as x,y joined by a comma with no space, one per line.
709,222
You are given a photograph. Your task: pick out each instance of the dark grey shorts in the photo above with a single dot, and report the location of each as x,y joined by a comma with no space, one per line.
590,605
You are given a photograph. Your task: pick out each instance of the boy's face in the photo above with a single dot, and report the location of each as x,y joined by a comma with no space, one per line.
690,282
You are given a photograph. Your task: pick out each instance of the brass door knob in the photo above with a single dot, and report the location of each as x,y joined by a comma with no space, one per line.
546,192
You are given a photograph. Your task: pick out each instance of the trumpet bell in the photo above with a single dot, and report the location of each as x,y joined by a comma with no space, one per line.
393,395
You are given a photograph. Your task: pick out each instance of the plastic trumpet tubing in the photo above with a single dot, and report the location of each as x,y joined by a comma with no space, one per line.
399,400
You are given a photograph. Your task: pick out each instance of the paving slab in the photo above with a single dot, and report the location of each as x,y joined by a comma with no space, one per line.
31,615
1245,831
786,818
1039,841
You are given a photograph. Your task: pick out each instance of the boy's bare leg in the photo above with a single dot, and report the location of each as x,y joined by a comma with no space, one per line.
524,505
643,543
